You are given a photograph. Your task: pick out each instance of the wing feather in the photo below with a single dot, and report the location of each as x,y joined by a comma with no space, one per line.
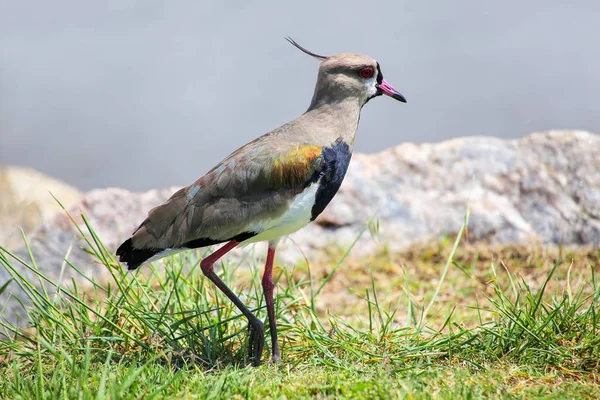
257,182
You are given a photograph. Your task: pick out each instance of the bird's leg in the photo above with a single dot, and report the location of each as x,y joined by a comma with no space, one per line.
255,326
268,286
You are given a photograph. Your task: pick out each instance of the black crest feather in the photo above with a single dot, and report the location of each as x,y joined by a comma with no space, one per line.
302,49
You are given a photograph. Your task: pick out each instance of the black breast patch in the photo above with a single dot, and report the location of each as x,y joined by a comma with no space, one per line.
335,164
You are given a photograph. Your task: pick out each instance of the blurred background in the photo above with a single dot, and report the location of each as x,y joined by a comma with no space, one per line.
144,94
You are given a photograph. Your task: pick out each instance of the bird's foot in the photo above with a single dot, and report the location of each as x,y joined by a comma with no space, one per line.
257,341
276,358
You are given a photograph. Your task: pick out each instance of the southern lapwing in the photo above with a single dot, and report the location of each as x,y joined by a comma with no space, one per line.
268,188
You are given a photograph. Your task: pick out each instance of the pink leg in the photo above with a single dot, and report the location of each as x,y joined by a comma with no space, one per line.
255,326
268,286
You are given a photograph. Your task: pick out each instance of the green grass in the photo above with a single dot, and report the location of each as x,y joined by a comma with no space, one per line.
442,321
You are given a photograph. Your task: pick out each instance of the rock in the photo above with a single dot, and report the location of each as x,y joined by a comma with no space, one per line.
26,201
543,188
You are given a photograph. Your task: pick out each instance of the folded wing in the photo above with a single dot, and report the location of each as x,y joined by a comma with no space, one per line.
250,188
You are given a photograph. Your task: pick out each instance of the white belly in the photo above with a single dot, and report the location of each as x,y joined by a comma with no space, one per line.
295,218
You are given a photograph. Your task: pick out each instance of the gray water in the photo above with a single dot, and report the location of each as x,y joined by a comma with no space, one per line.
143,94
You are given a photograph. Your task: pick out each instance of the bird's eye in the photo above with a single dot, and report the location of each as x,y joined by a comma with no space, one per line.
366,72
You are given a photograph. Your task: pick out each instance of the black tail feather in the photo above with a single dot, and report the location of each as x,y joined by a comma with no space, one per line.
134,257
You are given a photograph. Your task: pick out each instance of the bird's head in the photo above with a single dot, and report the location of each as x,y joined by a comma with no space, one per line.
349,76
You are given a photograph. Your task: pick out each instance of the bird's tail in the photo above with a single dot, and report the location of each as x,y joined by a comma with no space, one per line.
165,231
156,237
134,257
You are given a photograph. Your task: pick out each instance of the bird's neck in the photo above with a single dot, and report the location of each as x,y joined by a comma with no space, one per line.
335,119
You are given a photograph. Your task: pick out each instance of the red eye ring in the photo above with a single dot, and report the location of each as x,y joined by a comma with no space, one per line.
366,72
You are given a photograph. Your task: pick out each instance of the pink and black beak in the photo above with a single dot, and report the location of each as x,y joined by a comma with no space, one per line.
385,88
388,90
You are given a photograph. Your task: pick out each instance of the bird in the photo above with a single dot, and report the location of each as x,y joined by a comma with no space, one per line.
269,188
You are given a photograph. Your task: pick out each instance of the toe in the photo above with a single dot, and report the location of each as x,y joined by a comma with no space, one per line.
276,358
256,342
